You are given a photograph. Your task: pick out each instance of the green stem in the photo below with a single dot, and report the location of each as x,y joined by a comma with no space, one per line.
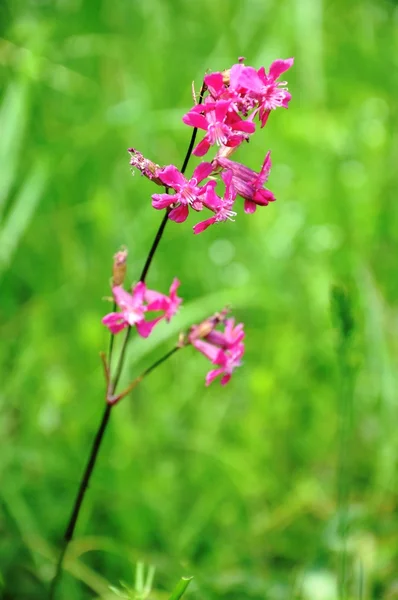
84,483
105,417
80,497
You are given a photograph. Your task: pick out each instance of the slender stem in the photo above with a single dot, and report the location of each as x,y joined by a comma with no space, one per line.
58,572
80,496
163,223
137,380
160,361
105,418
84,483
111,341
194,133
154,246
121,360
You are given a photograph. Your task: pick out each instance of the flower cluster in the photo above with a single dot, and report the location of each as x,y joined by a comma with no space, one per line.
231,104
135,307
217,338
233,100
223,348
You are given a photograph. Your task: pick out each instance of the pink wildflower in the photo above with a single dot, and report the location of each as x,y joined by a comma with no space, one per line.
263,90
188,192
223,126
221,206
216,85
133,308
249,184
222,348
168,304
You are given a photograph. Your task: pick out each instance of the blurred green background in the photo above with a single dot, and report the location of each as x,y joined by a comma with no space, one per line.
282,484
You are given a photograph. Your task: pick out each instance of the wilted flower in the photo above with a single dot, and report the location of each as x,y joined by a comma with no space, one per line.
148,168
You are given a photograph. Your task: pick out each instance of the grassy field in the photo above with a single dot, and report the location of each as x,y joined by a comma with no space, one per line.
281,485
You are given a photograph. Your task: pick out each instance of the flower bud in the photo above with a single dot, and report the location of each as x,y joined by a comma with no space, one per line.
203,329
148,168
119,267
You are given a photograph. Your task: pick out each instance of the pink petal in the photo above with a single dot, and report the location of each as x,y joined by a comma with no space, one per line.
160,201
114,322
286,100
264,117
171,177
139,291
280,66
123,298
227,177
225,379
217,337
211,352
215,83
199,227
202,171
195,120
263,75
197,205
179,214
211,200
212,375
159,304
174,286
250,207
201,148
153,296
246,126
144,328
250,80
263,197
221,109
234,75
265,169
234,140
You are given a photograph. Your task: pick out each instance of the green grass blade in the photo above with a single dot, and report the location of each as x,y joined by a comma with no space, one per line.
180,588
13,116
21,213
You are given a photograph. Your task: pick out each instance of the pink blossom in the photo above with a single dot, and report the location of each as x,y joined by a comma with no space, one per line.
133,308
222,207
216,85
223,348
223,126
228,361
232,334
169,304
188,192
258,88
249,184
